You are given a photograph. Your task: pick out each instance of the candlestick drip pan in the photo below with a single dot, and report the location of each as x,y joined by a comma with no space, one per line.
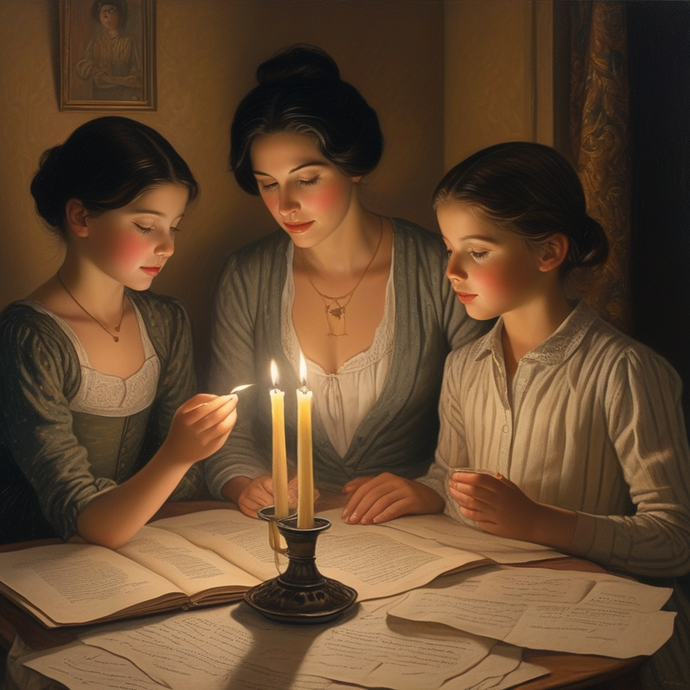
301,594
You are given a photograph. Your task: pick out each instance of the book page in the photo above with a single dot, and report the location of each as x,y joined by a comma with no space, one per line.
80,583
445,530
579,613
192,569
240,540
373,559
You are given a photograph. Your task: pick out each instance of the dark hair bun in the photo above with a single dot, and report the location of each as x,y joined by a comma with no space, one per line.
532,189
106,163
300,91
47,187
299,61
591,247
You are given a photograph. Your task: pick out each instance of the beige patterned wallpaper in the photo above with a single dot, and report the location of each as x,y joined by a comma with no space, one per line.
207,50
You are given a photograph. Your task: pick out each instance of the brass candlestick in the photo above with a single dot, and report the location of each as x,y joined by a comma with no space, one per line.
301,594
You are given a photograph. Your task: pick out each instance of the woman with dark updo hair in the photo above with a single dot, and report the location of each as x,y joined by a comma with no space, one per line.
100,423
361,296
555,427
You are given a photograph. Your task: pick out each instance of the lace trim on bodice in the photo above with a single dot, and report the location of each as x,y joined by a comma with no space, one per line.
106,395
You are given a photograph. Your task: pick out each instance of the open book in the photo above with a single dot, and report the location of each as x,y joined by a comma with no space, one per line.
214,556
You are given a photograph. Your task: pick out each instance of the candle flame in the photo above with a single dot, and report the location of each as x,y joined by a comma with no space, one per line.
274,373
302,370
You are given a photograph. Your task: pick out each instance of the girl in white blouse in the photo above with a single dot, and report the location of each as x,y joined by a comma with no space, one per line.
555,427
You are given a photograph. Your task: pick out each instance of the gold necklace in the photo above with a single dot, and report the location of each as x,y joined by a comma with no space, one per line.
91,316
335,307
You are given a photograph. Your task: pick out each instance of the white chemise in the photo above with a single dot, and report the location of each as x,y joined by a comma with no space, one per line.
343,399
103,394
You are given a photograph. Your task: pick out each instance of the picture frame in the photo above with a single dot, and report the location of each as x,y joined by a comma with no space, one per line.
107,55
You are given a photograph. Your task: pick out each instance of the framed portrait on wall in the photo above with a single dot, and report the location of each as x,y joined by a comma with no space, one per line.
107,55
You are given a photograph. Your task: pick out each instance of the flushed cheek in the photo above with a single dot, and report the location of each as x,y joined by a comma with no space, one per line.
131,250
494,285
327,199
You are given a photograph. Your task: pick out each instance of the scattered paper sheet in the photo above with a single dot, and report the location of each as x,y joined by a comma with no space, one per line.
503,668
79,667
82,667
233,646
583,613
370,651
445,530
202,648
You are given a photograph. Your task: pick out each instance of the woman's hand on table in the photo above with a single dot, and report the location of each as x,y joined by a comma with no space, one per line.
386,497
249,495
293,493
500,507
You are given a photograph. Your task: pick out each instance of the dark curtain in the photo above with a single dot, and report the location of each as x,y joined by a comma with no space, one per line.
659,67
629,138
599,142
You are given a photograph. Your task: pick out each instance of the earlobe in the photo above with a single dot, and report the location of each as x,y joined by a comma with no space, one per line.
76,217
554,252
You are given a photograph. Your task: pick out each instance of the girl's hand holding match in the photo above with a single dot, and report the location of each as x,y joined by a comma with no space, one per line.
201,426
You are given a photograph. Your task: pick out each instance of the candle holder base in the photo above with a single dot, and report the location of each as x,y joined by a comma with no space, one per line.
301,594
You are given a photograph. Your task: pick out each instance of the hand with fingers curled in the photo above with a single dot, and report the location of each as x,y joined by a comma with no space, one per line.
387,496
493,502
200,426
250,495
293,493
500,507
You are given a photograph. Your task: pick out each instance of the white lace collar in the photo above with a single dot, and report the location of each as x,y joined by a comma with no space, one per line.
103,394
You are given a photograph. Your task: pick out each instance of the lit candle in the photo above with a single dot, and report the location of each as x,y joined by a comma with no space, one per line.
305,463
280,482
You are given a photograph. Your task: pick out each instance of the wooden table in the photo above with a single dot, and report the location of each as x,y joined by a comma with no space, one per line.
567,670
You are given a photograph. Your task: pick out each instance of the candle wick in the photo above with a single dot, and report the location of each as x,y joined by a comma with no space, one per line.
304,388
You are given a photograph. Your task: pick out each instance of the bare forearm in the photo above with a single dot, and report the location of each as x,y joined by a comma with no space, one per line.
114,516
199,428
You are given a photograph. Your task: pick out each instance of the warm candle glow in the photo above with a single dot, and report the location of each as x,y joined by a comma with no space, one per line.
280,481
302,370
305,463
243,387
